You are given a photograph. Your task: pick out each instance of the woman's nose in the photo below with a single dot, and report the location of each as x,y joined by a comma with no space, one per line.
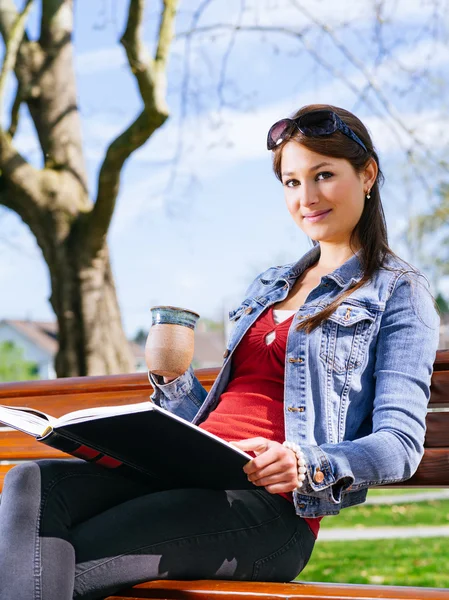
308,196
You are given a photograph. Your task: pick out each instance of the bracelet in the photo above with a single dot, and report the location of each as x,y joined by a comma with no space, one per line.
300,459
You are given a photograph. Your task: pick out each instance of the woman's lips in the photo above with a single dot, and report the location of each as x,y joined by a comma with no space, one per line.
317,217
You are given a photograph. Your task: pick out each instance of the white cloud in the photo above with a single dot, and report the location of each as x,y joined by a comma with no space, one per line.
102,60
137,199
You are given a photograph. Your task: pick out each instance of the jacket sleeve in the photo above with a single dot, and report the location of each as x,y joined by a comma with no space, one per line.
407,341
183,396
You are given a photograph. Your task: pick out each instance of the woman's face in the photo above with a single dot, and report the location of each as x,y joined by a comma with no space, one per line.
324,195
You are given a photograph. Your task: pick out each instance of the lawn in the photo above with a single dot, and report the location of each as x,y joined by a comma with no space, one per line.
434,512
396,491
411,561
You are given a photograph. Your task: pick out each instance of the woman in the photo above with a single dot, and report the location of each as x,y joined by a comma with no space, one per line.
325,379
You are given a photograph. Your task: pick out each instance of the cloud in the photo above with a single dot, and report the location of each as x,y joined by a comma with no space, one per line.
136,199
99,61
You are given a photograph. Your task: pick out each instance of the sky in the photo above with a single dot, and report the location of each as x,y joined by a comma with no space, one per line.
200,212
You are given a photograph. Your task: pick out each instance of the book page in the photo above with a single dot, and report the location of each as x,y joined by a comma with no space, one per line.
89,414
27,420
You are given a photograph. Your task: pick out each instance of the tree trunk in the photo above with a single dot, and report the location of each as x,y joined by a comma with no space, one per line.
91,337
70,228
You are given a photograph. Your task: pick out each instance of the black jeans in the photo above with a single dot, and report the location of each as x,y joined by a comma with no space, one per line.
69,529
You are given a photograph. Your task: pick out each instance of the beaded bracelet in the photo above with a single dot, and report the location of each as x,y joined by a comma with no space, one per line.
300,459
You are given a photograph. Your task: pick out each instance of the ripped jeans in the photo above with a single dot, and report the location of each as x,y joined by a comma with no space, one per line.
70,529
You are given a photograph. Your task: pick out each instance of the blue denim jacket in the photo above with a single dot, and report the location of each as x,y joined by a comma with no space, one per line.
356,388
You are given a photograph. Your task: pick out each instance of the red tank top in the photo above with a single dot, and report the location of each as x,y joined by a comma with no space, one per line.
253,403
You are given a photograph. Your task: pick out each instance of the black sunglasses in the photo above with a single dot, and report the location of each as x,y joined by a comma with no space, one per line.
312,124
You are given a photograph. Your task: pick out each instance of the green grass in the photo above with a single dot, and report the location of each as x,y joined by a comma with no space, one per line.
411,561
400,491
434,512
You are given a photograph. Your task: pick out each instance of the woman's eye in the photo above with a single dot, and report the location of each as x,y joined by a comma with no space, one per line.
291,183
323,175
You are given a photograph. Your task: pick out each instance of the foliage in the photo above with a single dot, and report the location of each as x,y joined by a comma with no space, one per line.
141,337
13,366
442,303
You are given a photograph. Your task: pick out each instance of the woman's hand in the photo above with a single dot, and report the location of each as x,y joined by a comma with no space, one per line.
275,467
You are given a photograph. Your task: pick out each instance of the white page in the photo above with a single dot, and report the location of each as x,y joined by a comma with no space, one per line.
26,420
89,414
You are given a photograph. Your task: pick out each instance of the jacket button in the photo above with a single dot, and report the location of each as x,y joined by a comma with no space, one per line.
249,310
226,353
319,476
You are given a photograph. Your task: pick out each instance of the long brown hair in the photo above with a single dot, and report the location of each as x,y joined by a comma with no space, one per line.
371,230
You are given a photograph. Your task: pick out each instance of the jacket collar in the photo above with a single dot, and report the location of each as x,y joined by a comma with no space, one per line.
349,272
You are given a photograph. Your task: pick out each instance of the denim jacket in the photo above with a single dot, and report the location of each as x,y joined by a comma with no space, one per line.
356,388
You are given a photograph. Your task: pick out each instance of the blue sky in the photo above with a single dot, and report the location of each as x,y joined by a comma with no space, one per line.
195,235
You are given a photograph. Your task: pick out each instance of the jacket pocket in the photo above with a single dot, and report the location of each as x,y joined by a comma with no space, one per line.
234,315
344,337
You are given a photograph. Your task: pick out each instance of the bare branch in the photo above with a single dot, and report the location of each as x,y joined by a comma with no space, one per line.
56,21
184,95
354,60
17,172
12,47
8,16
15,110
224,64
230,27
152,81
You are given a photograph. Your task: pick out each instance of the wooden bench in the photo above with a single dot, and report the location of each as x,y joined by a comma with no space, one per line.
60,396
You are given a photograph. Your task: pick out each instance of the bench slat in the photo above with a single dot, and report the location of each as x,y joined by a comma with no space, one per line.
432,472
20,446
238,590
59,405
437,434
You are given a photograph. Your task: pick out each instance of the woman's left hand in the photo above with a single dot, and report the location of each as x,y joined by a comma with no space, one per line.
275,467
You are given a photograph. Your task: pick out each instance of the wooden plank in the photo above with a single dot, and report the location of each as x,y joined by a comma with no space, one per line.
437,434
3,470
81,385
134,383
15,445
439,389
61,404
441,360
433,470
247,590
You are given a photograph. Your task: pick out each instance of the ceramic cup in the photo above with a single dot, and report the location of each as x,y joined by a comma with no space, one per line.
170,342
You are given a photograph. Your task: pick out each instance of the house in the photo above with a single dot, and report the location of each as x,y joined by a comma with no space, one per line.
39,343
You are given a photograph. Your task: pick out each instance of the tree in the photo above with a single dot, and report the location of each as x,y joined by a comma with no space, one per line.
70,227
13,366
355,48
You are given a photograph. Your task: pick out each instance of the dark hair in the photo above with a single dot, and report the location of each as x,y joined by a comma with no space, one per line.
371,230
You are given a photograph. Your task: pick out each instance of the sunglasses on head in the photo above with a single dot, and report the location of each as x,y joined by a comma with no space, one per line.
316,123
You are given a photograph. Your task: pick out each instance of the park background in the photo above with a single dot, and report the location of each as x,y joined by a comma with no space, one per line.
199,212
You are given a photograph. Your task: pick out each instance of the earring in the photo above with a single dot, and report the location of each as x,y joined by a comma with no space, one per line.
368,195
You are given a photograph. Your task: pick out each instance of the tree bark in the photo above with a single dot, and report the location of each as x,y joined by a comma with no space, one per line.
54,202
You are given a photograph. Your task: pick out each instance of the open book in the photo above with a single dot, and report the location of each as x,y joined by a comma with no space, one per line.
138,440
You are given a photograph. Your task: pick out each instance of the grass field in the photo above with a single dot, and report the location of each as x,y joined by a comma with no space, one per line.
382,491
412,561
435,512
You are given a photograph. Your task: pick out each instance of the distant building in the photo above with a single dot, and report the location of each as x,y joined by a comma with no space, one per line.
37,339
39,343
209,349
